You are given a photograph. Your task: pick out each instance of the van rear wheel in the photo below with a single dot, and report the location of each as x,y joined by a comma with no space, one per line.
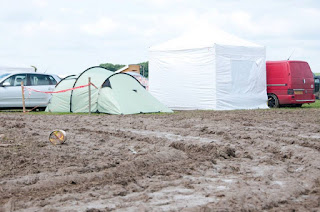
273,101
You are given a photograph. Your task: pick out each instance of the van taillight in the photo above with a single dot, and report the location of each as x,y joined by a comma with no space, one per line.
290,92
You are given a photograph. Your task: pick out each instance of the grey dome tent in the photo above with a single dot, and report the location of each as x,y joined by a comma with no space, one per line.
116,93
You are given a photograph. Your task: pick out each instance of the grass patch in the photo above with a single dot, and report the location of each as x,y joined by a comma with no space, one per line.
304,106
68,113
317,74
312,105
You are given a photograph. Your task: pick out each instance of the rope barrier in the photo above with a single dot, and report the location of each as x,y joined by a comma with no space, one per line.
62,91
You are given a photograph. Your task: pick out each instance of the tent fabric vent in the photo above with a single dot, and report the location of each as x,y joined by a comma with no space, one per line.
107,84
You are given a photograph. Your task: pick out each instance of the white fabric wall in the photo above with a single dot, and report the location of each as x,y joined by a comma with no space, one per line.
241,77
208,70
183,80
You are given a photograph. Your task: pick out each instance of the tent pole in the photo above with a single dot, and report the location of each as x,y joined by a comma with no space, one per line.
89,79
23,101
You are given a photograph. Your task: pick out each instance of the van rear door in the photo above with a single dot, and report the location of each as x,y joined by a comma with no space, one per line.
302,81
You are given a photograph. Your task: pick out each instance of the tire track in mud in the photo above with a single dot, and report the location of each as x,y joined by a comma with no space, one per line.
284,156
39,185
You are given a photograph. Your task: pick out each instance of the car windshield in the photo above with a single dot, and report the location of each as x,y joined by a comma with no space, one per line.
3,76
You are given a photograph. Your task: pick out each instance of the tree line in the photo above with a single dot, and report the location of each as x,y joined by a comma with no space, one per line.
144,67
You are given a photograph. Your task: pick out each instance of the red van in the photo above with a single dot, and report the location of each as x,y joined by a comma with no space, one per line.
289,83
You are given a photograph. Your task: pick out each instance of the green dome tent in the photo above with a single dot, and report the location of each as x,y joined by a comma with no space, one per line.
116,93
60,102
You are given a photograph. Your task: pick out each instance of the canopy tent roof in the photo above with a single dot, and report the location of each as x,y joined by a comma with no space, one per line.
202,38
9,69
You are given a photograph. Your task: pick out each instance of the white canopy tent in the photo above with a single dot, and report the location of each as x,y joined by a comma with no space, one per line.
8,69
208,70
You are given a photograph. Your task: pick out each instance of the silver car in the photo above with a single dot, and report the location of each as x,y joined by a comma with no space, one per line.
11,92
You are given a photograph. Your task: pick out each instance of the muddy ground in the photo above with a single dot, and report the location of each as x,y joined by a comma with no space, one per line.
187,161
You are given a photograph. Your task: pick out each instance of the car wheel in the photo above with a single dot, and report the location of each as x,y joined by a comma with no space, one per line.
40,109
273,101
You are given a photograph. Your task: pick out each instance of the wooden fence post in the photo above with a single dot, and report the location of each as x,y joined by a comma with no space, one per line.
23,100
89,80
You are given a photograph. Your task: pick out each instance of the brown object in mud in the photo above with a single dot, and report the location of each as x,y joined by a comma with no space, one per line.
58,137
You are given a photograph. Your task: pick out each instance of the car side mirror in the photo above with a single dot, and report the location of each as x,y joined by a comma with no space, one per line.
5,84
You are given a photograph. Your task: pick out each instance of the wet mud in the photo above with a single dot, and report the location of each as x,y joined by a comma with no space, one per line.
187,161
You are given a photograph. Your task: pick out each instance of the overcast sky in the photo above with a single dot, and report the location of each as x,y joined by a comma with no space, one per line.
66,37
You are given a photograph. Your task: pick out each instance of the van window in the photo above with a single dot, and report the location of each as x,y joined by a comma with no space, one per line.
300,70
